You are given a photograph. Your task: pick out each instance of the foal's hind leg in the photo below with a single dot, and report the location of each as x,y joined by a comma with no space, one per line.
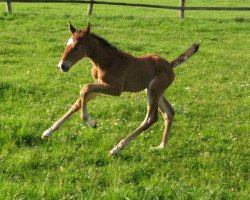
168,114
76,106
151,117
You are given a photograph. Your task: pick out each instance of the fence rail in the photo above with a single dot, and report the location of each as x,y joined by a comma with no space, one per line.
181,8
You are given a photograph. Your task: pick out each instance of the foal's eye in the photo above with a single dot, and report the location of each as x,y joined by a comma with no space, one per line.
75,47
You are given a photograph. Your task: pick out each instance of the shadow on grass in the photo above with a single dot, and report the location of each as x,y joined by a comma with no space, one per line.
28,141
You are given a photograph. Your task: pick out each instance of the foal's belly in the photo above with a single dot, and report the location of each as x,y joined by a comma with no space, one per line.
138,79
134,86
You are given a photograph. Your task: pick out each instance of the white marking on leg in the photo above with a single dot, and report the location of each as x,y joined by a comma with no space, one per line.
114,151
161,146
46,133
70,41
122,144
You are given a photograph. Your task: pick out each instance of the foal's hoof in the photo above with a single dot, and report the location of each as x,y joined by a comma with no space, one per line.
112,153
46,133
117,148
91,122
161,146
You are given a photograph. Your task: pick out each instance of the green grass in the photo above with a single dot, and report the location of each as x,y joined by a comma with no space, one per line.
208,155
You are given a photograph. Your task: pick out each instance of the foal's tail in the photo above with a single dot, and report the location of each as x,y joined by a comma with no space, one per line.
186,55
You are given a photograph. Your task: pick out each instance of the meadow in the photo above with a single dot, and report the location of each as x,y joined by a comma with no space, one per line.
209,152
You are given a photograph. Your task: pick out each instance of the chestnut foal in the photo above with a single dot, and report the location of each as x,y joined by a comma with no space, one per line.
115,72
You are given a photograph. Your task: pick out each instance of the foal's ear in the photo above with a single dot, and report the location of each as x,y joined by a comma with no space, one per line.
71,28
86,30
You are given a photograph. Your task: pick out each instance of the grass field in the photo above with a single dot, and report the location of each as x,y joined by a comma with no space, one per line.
209,150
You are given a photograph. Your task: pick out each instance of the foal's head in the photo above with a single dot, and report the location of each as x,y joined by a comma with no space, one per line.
75,49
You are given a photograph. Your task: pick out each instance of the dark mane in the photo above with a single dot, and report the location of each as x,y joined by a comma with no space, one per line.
104,42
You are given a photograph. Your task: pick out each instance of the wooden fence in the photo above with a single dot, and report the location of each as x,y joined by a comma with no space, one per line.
91,3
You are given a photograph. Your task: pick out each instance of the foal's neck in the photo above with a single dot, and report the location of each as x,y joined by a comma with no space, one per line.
100,55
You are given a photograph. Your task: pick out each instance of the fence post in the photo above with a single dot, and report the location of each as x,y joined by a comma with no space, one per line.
90,8
182,8
8,6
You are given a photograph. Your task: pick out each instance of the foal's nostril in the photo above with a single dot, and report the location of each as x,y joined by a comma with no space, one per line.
64,68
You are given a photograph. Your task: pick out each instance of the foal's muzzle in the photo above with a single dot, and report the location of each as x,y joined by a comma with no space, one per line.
63,66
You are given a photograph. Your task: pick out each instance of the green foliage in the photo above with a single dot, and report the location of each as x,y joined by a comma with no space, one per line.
208,154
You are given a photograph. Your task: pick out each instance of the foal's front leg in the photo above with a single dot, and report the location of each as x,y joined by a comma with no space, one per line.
76,106
87,91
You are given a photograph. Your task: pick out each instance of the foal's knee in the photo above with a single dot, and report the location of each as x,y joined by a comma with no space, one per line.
169,116
76,106
172,111
85,90
151,120
154,119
